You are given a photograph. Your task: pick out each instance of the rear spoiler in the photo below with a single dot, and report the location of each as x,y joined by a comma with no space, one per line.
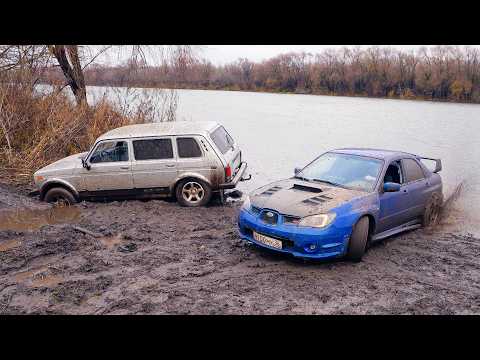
438,163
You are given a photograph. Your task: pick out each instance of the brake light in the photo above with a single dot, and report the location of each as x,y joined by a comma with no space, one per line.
228,171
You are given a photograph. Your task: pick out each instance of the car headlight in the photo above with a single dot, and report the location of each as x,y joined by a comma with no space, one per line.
318,221
246,203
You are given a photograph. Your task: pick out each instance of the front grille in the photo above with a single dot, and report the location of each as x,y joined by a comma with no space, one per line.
269,217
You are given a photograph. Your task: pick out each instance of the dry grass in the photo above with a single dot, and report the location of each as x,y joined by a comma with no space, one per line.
37,129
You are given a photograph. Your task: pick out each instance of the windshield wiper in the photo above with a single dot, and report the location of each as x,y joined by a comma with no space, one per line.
328,182
302,178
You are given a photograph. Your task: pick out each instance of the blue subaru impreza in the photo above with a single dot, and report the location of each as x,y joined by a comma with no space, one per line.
342,201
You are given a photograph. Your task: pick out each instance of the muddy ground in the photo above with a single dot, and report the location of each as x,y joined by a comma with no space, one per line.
192,261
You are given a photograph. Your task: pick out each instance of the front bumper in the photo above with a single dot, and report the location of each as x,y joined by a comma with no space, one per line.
238,177
330,242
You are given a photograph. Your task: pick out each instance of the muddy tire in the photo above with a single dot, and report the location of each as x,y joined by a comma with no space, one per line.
60,196
358,240
193,192
431,213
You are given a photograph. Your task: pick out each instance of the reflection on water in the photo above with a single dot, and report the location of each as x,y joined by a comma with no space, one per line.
21,219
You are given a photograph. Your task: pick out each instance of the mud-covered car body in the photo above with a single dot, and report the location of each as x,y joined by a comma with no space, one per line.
279,215
148,160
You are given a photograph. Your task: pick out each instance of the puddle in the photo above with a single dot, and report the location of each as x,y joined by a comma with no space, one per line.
47,281
9,244
22,219
39,277
111,241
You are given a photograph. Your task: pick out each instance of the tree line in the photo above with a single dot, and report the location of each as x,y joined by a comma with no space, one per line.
448,73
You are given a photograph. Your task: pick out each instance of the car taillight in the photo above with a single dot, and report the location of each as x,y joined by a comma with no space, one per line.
228,171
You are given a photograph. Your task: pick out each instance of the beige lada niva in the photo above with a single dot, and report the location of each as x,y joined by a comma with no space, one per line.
188,160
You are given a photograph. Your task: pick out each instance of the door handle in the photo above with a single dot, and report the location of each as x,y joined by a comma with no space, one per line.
124,167
170,166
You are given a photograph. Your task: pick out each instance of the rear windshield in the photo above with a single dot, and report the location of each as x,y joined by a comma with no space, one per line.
222,139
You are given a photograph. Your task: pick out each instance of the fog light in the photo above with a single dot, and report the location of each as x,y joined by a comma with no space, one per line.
311,248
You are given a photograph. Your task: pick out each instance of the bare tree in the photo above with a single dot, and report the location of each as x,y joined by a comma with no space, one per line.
69,61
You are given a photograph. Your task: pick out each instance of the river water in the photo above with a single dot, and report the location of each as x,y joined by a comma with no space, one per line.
278,132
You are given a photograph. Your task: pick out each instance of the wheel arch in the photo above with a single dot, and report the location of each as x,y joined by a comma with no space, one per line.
57,183
192,177
372,223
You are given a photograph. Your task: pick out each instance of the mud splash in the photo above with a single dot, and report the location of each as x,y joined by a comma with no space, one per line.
23,219
456,214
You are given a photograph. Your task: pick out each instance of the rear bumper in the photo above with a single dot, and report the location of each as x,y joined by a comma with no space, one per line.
238,176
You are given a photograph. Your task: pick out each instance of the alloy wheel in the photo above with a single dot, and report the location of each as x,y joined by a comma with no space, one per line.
193,192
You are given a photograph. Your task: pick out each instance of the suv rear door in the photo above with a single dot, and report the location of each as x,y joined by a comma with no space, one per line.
154,165
191,158
227,146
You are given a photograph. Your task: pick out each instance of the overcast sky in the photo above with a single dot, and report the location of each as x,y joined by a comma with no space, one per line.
220,54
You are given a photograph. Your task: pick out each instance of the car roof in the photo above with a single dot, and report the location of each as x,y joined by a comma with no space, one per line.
161,129
374,153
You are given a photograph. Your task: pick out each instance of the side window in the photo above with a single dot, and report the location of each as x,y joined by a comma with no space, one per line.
188,148
413,170
153,149
221,138
394,173
110,151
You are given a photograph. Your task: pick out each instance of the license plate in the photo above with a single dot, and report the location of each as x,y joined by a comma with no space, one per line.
267,240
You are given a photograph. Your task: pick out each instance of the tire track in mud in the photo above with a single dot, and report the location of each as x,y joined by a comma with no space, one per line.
191,261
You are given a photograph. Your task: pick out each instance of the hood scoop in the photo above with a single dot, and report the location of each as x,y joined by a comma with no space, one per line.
317,200
306,188
271,191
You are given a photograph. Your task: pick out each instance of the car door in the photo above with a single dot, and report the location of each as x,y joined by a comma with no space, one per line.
191,158
154,165
394,206
417,186
110,167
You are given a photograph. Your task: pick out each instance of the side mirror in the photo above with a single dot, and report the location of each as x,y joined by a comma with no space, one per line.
438,166
297,170
85,164
391,187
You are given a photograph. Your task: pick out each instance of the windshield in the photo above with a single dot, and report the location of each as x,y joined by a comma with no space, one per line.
350,171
